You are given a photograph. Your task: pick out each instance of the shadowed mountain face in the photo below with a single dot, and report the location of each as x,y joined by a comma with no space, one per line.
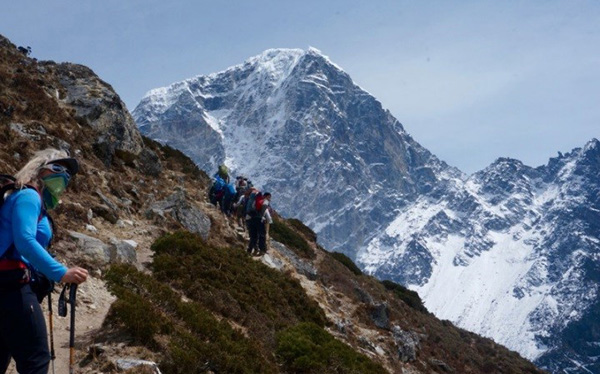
300,127
509,252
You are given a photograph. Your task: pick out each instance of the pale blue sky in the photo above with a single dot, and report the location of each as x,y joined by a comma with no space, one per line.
470,80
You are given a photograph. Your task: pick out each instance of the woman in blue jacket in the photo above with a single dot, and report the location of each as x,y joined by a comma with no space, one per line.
25,232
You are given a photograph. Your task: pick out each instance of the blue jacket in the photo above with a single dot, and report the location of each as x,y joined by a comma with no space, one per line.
20,224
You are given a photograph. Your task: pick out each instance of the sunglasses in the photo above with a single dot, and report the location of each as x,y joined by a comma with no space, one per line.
56,168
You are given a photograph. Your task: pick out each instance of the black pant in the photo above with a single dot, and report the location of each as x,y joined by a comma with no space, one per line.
256,230
23,332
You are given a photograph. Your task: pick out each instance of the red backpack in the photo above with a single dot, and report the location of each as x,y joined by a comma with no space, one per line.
258,202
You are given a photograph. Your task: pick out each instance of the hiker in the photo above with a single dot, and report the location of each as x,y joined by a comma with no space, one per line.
217,191
266,221
253,220
240,208
228,199
240,184
260,218
25,233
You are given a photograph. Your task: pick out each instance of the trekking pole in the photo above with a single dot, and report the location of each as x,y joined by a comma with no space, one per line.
51,324
62,311
72,295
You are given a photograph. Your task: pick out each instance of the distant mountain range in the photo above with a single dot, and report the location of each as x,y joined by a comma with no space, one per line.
511,252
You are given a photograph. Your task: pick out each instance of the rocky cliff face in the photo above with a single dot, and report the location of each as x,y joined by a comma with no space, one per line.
298,125
98,106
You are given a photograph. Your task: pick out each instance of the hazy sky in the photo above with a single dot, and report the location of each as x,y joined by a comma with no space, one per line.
470,80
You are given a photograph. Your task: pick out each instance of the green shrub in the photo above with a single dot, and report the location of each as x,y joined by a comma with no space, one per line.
147,308
347,262
230,283
282,233
411,298
303,229
308,348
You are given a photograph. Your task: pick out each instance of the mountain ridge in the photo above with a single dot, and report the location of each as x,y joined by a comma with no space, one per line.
386,201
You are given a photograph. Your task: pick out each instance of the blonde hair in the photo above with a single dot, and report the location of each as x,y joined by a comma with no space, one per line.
29,172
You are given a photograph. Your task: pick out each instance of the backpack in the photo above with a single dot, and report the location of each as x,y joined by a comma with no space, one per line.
223,172
250,203
258,202
230,192
14,270
219,184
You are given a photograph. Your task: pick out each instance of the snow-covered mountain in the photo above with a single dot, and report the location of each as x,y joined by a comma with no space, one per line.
511,252
298,126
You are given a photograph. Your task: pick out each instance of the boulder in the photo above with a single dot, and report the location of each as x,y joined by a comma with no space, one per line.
380,315
149,163
98,106
181,210
408,344
106,212
95,251
123,251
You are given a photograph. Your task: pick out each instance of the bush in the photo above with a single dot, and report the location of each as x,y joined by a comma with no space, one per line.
411,298
147,308
303,229
307,348
282,233
230,283
347,262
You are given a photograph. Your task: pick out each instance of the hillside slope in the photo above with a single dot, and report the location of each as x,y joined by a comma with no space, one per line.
195,293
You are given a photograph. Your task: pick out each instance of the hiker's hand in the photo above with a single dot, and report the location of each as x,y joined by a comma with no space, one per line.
75,275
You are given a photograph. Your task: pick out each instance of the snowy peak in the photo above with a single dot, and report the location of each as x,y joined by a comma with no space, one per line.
509,253
297,124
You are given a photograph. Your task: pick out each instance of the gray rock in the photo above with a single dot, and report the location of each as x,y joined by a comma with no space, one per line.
180,209
149,163
272,262
123,251
440,365
302,267
93,250
363,295
342,325
32,133
380,315
106,212
99,107
408,344
107,201
130,363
